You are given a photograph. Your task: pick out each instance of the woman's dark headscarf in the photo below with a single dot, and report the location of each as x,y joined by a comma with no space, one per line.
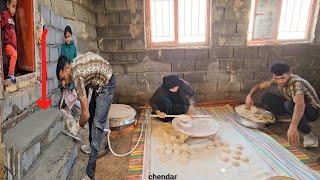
171,81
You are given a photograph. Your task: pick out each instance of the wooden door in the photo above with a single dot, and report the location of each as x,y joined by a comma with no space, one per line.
25,35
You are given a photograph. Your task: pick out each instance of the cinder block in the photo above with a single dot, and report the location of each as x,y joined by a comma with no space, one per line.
63,8
6,108
119,31
238,39
270,51
149,55
183,66
246,86
123,57
219,76
255,64
221,53
46,14
126,79
131,18
296,50
137,67
55,20
172,54
195,54
109,44
102,32
81,13
59,37
224,27
54,53
207,65
262,75
231,64
118,68
87,3
99,6
107,19
195,77
154,66
55,131
51,37
30,156
116,5
150,78
132,44
314,49
246,52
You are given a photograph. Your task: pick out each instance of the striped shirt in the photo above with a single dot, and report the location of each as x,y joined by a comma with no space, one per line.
90,70
297,85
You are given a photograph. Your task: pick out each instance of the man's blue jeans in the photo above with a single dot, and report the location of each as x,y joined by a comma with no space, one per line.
99,108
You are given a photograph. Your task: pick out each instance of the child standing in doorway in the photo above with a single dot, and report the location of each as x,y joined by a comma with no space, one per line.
9,36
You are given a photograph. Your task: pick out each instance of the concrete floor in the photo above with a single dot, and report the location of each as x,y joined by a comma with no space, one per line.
109,166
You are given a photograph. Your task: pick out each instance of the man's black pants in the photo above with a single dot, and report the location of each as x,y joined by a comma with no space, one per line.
280,106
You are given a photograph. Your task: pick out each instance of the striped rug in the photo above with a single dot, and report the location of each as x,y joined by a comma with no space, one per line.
226,113
136,158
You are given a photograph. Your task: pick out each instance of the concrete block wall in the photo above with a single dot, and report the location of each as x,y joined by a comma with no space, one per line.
55,14
226,69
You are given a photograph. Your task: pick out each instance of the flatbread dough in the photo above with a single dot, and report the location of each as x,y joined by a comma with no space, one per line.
255,114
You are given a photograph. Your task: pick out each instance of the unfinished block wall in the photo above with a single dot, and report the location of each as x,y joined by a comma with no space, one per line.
226,69
55,14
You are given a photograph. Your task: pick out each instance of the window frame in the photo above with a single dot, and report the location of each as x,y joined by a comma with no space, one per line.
273,40
175,43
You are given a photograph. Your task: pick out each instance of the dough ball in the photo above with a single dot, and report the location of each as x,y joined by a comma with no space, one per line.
245,159
240,147
225,145
183,161
224,159
168,151
226,150
238,152
236,157
177,151
235,163
160,150
164,158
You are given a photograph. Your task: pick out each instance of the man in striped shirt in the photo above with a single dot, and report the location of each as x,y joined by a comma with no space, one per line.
297,98
89,70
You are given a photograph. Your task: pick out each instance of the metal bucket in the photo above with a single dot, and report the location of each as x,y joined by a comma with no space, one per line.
121,116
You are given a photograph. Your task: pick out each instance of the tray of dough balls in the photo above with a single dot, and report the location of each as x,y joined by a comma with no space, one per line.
225,155
254,117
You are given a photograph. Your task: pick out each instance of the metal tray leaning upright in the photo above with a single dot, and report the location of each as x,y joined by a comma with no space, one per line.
251,124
